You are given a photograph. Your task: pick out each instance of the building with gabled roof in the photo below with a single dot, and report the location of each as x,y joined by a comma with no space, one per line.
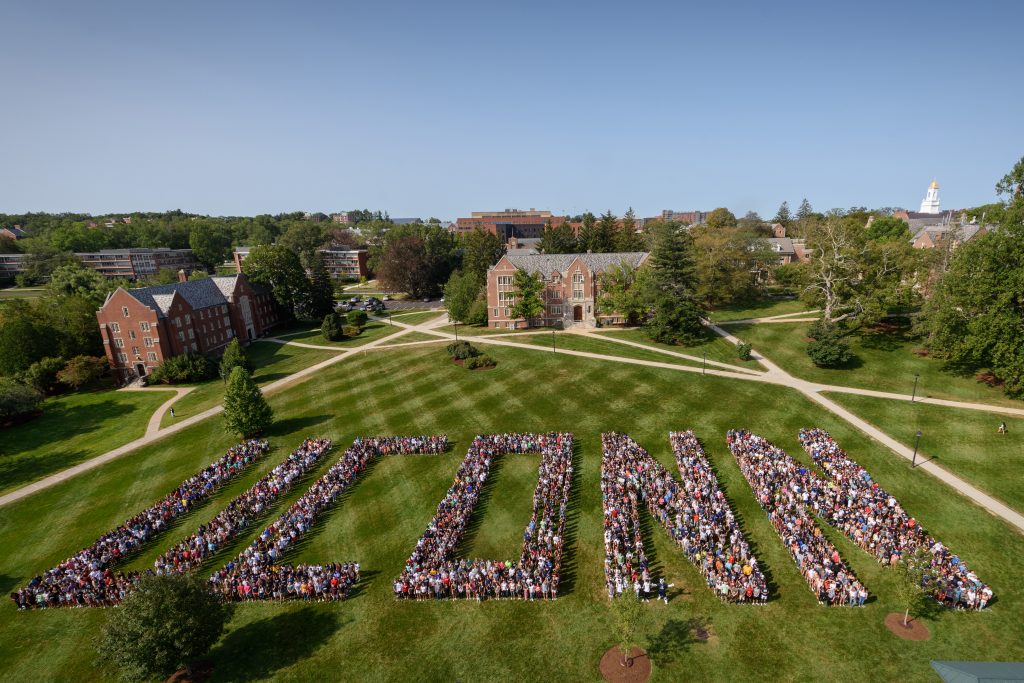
14,232
571,288
143,327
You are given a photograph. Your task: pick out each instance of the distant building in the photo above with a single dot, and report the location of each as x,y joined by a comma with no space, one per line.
341,217
11,265
930,203
687,217
524,245
130,264
141,328
930,237
571,288
509,223
14,233
340,263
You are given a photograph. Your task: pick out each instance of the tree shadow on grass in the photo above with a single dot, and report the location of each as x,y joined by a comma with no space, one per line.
294,424
675,637
16,472
7,583
260,649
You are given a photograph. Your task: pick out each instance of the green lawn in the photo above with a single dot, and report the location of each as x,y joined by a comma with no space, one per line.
272,361
22,292
413,337
71,429
373,330
966,442
758,309
477,330
593,343
716,347
373,637
884,362
416,318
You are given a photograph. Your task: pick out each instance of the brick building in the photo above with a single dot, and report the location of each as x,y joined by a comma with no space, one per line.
571,288
141,328
130,264
340,263
509,223
14,232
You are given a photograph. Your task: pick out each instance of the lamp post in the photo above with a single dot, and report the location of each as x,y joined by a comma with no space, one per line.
552,341
390,322
913,460
704,362
913,396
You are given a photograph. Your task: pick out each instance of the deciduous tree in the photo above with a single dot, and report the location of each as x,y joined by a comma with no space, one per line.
279,269
527,291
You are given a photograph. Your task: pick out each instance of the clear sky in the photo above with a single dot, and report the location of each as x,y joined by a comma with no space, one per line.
439,109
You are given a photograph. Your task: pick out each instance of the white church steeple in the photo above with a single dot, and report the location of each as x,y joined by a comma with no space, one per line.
930,203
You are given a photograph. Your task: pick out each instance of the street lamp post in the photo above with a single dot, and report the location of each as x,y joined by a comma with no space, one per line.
552,341
913,396
913,460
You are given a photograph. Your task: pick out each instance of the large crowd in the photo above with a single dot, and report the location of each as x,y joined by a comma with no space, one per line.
873,519
695,513
257,574
87,578
432,573
789,492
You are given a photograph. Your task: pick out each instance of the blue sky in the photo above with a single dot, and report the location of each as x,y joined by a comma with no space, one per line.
439,109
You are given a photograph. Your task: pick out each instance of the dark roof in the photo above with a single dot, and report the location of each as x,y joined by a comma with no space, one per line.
976,672
210,291
597,263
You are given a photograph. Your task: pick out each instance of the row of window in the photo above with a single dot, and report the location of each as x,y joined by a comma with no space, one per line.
123,357
144,326
119,343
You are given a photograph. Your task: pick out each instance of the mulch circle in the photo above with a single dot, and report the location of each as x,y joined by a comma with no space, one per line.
201,671
914,630
614,672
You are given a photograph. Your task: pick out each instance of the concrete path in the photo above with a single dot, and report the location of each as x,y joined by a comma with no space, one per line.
781,318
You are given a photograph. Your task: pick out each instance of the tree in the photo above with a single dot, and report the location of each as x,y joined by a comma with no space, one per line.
164,624
628,615
82,370
304,238
835,268
279,269
417,259
626,237
558,240
320,299
887,229
677,315
587,238
480,251
725,264
24,338
246,412
357,318
332,328
624,290
828,349
604,233
210,243
461,293
234,357
915,581
782,215
76,279
753,224
804,211
720,218
17,400
527,290
42,375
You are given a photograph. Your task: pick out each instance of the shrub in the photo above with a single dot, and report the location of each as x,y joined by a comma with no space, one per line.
481,361
477,313
829,351
357,318
82,370
744,351
822,328
352,330
461,350
332,329
17,400
246,411
188,367
234,357
42,375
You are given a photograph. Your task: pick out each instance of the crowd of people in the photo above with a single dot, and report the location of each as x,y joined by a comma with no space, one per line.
256,574
432,573
241,511
695,513
790,493
87,578
873,519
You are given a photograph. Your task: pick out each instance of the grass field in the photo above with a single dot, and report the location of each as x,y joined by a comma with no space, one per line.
372,637
271,361
22,292
373,330
965,442
716,347
417,317
478,330
593,343
758,309
884,362
71,429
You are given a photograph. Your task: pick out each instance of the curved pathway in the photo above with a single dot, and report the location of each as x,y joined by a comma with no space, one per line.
773,375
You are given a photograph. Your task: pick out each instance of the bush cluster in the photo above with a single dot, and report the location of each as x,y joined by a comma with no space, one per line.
462,350
17,401
827,348
744,351
332,328
186,368
352,330
54,375
481,361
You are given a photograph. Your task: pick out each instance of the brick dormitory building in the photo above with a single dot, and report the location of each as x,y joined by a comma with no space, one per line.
572,288
141,328
341,264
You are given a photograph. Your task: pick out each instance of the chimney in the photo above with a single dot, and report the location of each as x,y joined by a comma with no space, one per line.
181,276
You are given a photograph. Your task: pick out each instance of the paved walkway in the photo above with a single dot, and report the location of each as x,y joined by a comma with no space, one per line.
772,375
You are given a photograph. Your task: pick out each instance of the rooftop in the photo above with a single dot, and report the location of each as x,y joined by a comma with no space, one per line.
597,263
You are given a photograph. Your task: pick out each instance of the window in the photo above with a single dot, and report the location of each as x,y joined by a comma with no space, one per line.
557,277
504,280
123,357
118,342
191,334
506,296
151,356
144,326
124,311
148,341
115,327
556,310
181,336
177,322
227,321
135,350
577,285
194,346
131,334
506,312
495,312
